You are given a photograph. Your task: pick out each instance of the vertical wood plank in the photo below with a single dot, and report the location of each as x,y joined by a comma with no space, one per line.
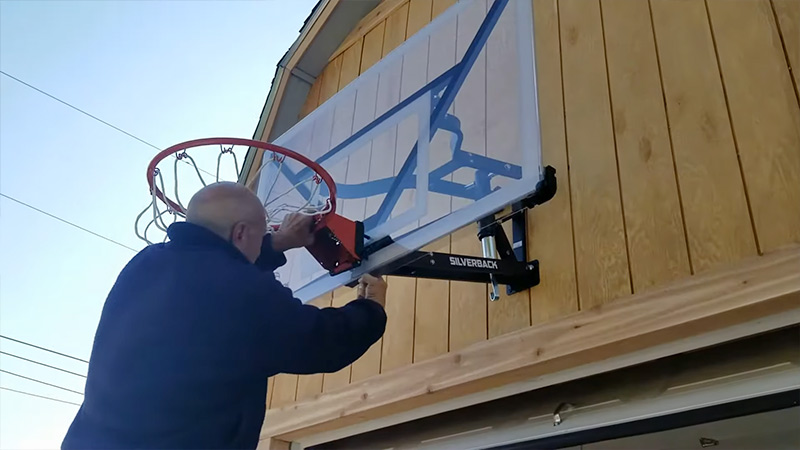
550,225
330,79
351,64
399,340
441,57
369,363
510,312
431,318
601,254
414,77
323,125
312,100
383,167
289,386
359,161
373,47
468,300
313,144
765,116
503,135
270,385
788,13
715,210
396,25
345,112
653,219
310,385
330,381
419,15
440,6
285,388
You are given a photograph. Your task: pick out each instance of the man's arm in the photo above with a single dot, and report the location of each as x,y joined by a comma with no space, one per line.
304,339
296,231
270,258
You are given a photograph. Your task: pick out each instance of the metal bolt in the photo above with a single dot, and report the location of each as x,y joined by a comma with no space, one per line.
562,407
433,262
708,442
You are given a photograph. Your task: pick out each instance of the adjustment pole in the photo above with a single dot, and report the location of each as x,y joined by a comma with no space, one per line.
490,251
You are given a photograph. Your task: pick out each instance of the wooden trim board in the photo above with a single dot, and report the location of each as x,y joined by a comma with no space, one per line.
755,288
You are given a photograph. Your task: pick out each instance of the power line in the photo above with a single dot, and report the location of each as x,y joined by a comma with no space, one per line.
68,222
43,348
78,109
40,382
42,364
39,396
87,114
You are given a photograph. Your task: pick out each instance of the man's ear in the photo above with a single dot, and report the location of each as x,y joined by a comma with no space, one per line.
238,232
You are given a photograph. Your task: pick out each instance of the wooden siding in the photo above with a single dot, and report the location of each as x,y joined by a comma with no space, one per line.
674,126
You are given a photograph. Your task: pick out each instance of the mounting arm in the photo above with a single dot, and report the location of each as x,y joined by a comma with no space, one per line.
340,246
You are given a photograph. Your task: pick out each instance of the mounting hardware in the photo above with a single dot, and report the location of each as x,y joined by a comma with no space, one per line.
503,262
490,252
338,245
708,442
561,408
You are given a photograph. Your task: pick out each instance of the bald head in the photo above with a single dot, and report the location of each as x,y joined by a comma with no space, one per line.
231,211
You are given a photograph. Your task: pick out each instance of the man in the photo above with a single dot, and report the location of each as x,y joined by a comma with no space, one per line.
192,329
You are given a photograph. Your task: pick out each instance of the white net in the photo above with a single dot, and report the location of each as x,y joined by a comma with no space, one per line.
285,186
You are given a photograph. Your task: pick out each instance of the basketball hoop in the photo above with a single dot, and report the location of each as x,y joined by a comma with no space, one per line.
288,183
282,199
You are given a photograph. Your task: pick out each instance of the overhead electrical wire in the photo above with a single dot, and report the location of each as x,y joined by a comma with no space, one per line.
41,382
85,113
53,216
42,364
43,348
69,105
39,396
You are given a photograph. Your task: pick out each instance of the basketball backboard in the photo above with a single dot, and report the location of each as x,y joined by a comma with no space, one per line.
440,133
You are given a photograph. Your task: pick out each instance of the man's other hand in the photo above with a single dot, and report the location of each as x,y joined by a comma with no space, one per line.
296,230
372,288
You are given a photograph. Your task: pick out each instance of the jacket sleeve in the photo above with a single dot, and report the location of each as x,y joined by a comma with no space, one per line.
304,339
270,259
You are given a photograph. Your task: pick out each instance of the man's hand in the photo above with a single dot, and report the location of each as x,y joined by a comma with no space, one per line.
295,231
373,288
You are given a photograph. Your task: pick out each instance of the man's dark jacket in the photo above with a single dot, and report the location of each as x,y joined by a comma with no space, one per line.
187,338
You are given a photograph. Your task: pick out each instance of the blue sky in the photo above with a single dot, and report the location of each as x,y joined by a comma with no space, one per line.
164,71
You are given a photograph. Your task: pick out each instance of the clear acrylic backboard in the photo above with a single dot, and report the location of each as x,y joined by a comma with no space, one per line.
440,133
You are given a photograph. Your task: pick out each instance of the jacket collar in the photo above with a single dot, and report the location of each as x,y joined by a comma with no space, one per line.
184,234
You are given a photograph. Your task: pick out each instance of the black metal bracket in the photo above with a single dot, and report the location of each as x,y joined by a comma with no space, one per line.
512,267
516,275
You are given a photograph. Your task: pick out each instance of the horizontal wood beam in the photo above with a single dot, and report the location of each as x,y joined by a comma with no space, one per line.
751,289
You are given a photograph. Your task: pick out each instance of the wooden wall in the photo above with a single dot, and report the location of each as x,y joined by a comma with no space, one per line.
674,126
